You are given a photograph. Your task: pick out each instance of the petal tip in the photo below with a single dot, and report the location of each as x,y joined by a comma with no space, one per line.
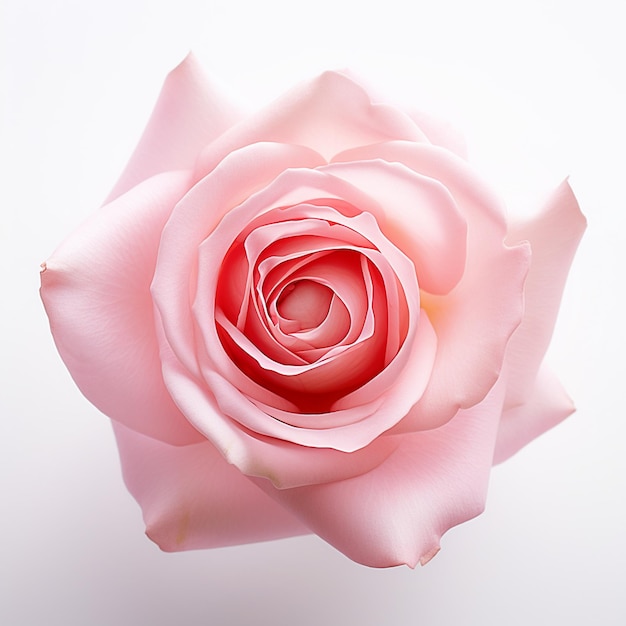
565,189
189,62
428,556
162,543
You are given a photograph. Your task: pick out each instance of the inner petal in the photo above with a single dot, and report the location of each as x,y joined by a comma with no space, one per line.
305,302
332,330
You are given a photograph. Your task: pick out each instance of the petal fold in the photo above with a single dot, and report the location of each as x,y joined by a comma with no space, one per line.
396,513
329,114
545,406
191,498
554,235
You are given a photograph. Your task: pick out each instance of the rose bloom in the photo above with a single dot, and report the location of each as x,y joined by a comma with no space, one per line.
312,319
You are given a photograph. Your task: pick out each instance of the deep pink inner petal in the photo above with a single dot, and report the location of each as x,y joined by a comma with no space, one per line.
305,302
328,372
332,330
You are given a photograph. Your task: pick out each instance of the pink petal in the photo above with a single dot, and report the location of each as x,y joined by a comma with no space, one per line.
473,328
305,302
292,253
417,214
348,429
285,464
350,425
201,370
291,187
332,330
96,290
474,322
396,513
188,115
545,406
192,498
329,114
440,132
340,276
195,217
554,235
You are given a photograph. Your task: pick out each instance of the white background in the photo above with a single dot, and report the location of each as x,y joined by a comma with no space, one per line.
540,88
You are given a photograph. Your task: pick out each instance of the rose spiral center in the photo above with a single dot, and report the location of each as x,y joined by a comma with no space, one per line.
309,307
305,303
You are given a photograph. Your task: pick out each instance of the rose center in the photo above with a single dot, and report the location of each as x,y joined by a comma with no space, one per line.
305,302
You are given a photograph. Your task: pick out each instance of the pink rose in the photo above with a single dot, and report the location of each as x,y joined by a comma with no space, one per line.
312,319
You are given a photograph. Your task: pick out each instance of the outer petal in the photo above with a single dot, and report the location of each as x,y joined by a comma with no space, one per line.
475,321
329,114
396,513
96,290
545,407
440,132
554,235
188,115
192,498
418,215
473,326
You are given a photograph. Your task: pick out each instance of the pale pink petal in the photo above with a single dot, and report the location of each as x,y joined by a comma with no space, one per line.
473,327
285,464
440,132
545,405
329,114
96,290
475,321
191,498
472,195
417,214
188,115
396,513
554,235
